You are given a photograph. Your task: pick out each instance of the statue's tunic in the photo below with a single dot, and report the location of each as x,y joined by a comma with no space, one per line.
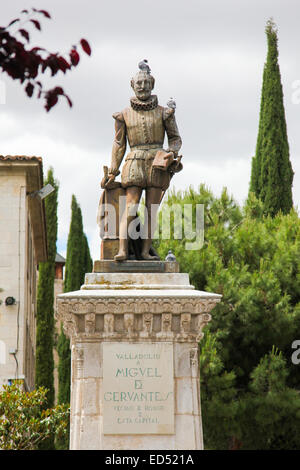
143,125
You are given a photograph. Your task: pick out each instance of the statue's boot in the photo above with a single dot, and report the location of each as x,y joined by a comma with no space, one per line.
145,251
123,249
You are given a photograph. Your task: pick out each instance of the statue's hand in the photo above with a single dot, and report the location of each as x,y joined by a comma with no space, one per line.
169,156
108,181
111,178
176,166
175,154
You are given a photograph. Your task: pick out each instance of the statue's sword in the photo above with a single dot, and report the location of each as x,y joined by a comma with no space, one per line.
171,176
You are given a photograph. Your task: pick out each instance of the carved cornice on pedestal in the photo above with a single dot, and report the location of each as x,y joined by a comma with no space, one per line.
178,319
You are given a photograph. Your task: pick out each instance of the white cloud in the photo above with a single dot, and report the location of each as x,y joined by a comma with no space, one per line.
233,174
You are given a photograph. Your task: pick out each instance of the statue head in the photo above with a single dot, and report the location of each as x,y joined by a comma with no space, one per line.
142,85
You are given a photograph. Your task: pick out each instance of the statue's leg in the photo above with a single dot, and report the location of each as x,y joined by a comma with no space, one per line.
133,195
153,198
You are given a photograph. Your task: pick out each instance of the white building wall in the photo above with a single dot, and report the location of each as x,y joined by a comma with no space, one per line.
13,242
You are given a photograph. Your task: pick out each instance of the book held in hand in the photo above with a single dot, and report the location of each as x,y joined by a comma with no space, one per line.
163,160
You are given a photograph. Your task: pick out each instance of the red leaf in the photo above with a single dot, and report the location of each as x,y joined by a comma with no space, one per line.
36,24
29,90
12,68
63,64
13,21
33,63
74,56
53,63
58,90
44,65
25,34
51,100
85,46
45,13
69,101
52,97
35,49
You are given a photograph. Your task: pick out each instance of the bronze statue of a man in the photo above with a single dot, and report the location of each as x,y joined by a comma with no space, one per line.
143,125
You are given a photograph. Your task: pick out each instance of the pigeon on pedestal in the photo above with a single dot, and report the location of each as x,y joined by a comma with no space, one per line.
170,256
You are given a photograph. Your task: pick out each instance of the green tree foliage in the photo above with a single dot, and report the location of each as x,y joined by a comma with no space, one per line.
78,262
75,250
221,216
270,411
260,287
218,397
253,261
87,263
45,299
25,421
272,174
64,368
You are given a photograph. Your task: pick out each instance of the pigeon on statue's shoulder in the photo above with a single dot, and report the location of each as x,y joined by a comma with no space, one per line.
171,103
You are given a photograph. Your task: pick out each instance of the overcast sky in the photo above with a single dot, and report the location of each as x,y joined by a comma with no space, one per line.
208,55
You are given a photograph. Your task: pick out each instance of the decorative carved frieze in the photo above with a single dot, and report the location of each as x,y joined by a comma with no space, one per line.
147,324
90,323
175,319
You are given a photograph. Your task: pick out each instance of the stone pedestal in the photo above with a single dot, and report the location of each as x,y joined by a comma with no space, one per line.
135,375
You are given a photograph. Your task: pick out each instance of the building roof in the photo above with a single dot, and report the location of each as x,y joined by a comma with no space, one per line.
59,259
23,161
21,157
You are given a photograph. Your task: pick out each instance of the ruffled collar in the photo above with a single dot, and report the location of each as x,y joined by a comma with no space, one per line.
139,105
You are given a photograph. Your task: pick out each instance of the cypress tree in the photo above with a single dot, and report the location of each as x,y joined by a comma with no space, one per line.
75,250
272,174
78,262
87,260
256,160
45,299
64,368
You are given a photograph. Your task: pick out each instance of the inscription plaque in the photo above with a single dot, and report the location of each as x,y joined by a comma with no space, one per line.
138,388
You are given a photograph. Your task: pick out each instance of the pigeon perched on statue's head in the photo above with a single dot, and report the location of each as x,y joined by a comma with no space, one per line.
143,66
171,103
